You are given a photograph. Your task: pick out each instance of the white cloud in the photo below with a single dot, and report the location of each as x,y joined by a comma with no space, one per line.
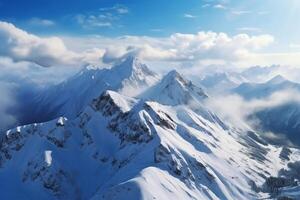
122,9
220,6
178,47
264,59
203,47
249,29
104,17
22,46
241,12
41,22
119,8
94,21
237,109
189,16
206,5
191,50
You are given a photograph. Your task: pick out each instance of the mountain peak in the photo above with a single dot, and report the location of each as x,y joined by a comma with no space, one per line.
173,73
133,66
173,76
277,79
173,89
110,102
130,61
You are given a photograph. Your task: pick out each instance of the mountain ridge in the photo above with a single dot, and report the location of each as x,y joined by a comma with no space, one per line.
145,147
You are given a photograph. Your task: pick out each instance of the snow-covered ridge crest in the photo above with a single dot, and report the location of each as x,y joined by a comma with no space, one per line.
130,77
173,89
277,79
109,102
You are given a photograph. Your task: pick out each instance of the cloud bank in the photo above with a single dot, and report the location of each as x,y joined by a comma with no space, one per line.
192,47
237,109
7,103
177,47
202,47
22,46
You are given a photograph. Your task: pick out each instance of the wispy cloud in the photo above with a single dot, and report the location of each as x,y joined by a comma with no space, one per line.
41,22
220,6
186,15
249,29
156,30
241,12
104,17
119,8
206,5
94,21
237,109
22,46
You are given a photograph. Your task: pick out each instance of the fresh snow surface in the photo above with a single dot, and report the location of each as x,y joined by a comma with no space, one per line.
161,144
173,89
48,158
130,77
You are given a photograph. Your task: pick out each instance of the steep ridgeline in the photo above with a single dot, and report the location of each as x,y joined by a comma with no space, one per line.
156,147
71,96
282,119
173,90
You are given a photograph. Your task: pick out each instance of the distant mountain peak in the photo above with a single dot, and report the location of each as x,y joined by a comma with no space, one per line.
132,59
133,65
277,79
174,76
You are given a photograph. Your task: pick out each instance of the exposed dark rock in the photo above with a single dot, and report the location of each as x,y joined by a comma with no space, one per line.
285,153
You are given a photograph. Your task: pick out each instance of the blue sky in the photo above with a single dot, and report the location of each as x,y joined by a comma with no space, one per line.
158,17
264,32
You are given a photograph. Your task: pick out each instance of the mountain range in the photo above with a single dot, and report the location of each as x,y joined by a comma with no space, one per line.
281,119
128,133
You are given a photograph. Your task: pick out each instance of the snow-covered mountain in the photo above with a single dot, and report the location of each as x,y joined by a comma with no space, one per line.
222,82
68,98
263,90
173,89
261,73
161,145
282,119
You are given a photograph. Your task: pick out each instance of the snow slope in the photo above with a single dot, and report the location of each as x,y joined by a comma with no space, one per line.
68,98
173,89
121,147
